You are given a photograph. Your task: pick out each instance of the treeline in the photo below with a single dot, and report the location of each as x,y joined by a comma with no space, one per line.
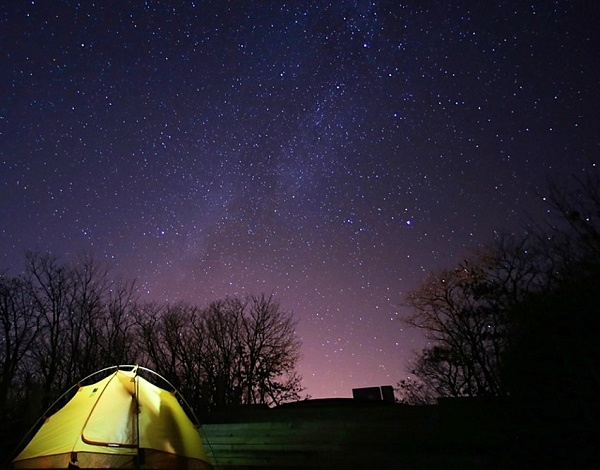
62,321
519,321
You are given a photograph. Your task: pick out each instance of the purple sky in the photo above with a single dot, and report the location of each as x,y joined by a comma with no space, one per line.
332,154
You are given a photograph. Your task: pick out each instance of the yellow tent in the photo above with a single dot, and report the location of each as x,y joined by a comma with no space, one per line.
122,421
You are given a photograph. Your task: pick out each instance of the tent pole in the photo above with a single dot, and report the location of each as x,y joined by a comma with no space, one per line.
140,456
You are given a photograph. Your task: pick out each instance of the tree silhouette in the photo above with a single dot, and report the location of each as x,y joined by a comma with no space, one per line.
235,351
466,315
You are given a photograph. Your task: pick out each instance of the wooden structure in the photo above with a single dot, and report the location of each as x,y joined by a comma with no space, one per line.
346,433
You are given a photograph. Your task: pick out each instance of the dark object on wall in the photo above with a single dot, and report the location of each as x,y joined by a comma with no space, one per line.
387,393
383,393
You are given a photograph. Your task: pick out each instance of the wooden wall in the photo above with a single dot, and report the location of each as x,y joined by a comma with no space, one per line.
342,433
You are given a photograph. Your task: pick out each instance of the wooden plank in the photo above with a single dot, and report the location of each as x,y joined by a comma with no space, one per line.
385,437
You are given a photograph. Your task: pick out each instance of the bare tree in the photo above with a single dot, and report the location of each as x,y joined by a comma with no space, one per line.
484,317
222,351
118,342
553,355
235,351
251,351
411,391
151,325
271,352
20,329
82,319
466,315
90,284
52,290
60,322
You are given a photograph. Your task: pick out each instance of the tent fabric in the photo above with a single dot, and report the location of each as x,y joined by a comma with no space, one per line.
122,421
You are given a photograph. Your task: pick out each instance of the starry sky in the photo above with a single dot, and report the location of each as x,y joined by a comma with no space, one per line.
329,153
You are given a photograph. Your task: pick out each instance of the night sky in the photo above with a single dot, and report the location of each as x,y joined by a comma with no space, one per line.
329,153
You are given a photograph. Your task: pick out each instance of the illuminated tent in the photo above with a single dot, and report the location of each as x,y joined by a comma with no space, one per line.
122,421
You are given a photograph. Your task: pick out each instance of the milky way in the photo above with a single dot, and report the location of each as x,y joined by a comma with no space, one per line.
329,153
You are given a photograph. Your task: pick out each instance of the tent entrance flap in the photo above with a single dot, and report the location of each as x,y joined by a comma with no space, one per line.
113,421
